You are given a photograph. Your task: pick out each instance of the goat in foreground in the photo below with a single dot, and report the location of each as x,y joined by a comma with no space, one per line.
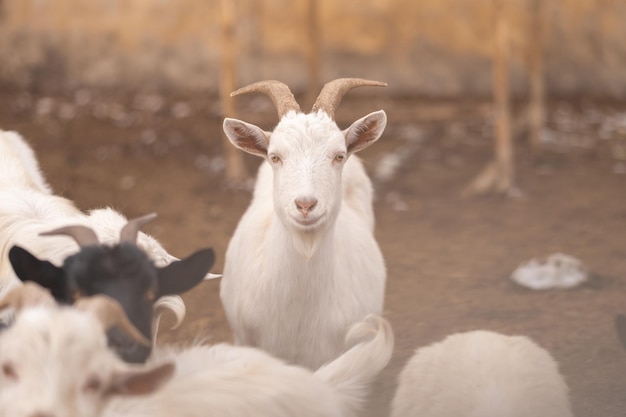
481,374
123,272
303,263
54,361
61,354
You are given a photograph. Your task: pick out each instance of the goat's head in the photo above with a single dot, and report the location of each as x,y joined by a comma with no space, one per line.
122,271
54,361
307,152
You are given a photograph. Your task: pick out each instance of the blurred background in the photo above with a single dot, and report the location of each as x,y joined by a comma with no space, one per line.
506,142
439,48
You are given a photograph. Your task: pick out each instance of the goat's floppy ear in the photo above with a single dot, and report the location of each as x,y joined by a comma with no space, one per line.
28,267
365,131
620,326
183,275
140,381
247,137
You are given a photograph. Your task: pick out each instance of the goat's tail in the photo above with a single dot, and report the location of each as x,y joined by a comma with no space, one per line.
371,342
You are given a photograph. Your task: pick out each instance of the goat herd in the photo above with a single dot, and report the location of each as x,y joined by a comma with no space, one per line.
302,287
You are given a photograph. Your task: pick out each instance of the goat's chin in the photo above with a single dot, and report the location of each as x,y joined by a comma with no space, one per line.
308,224
306,243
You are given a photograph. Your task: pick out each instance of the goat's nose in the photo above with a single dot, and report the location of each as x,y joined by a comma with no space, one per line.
306,204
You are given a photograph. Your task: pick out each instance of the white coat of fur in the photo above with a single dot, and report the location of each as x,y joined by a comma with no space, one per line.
52,353
47,358
294,289
225,380
481,374
28,207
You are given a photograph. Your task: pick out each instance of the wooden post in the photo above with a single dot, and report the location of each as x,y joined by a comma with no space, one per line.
536,104
502,102
313,50
497,176
235,167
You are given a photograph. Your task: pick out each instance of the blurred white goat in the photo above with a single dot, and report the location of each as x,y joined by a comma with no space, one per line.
481,374
55,362
303,263
28,207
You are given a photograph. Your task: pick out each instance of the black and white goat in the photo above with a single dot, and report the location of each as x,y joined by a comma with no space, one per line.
122,271
28,208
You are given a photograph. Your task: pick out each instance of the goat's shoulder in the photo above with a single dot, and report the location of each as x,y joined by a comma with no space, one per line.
21,206
358,192
263,186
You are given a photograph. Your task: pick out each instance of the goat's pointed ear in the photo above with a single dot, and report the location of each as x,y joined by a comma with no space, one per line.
183,275
365,131
620,326
140,381
28,267
247,137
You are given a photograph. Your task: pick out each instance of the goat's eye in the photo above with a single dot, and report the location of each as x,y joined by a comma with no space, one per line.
93,384
275,159
340,157
9,370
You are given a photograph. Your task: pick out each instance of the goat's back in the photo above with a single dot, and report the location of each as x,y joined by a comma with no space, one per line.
24,213
18,165
358,191
224,380
481,374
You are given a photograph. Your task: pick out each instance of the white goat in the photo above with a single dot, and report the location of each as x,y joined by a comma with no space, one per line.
481,374
54,361
303,263
28,207
61,355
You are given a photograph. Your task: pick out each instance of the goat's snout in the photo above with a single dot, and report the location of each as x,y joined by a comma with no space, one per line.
306,204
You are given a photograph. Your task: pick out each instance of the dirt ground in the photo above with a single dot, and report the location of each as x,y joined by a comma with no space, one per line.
449,259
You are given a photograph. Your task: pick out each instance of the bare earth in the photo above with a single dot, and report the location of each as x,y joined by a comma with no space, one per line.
448,258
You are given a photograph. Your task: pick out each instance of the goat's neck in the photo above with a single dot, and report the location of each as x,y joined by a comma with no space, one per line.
311,246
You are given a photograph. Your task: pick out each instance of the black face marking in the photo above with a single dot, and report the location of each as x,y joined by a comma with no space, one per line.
123,272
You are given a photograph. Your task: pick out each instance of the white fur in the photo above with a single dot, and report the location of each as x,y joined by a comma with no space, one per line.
294,289
481,374
54,352
19,164
28,207
225,380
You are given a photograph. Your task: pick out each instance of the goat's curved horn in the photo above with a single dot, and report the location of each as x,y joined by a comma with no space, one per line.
26,295
110,313
333,92
280,94
83,235
130,229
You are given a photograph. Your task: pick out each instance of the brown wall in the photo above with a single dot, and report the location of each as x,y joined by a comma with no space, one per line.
434,47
